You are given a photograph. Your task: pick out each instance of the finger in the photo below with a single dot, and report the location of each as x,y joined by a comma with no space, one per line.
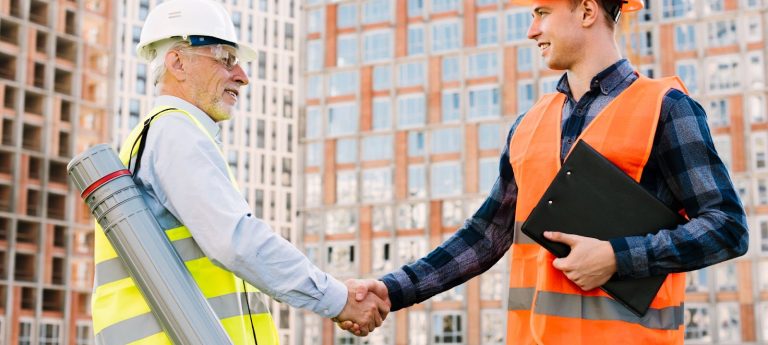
360,291
568,239
561,264
346,325
377,287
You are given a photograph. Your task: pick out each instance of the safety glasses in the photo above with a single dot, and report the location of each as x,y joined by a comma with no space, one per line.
219,53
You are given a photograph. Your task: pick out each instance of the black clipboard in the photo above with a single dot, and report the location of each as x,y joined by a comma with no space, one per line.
592,197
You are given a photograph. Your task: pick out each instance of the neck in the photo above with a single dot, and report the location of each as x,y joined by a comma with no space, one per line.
599,58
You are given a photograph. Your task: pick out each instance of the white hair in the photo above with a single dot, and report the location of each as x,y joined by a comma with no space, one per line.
158,52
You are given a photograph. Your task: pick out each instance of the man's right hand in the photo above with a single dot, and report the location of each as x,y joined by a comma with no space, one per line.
363,311
361,289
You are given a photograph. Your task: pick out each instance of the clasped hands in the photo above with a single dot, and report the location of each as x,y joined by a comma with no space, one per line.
364,311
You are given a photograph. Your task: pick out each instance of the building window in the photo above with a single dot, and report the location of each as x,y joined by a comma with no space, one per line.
83,334
343,83
445,5
482,65
378,185
341,221
726,276
314,190
756,70
410,249
754,28
346,16
446,36
723,147
314,56
341,258
417,328
756,108
314,122
377,46
50,333
487,30
722,33
446,140
342,119
141,78
376,11
382,218
417,177
723,73
446,179
484,103
677,8
451,105
134,112
455,294
377,148
729,323
525,96
489,172
314,154
492,327
346,50
642,42
697,325
489,136
447,328
450,71
382,114
415,8
416,144
312,329
411,74
382,256
718,112
518,23
696,281
346,151
762,191
25,332
524,59
382,78
411,216
687,73
410,110
346,187
685,37
452,212
415,40
713,6
315,20
314,87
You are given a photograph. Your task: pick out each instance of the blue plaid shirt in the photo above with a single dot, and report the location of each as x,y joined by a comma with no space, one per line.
683,171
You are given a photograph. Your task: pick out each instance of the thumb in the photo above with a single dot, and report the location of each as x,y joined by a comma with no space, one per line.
567,239
378,288
361,290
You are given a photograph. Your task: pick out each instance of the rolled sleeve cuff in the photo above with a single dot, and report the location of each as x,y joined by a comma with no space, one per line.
334,299
401,289
631,257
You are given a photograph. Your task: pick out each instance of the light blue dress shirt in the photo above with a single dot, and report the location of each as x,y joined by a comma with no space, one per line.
185,181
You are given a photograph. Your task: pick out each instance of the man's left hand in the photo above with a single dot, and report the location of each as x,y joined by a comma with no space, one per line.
591,261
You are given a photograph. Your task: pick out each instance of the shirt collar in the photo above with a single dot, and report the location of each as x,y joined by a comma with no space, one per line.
604,82
172,101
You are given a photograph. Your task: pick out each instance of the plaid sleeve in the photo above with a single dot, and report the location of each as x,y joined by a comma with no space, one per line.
698,180
473,249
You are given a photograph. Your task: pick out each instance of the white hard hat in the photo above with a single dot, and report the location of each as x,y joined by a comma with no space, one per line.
205,20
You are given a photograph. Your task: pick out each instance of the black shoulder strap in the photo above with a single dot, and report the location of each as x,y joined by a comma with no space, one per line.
142,140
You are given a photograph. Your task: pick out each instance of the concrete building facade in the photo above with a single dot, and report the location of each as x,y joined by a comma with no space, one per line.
406,105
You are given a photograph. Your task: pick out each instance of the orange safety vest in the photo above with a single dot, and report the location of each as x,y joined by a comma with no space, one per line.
545,307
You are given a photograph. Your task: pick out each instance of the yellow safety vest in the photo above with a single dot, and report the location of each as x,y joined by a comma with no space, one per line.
122,316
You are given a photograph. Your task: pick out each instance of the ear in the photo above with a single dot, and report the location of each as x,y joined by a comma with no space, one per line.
174,65
590,10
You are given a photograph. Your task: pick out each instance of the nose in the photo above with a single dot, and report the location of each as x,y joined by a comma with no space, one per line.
239,75
534,30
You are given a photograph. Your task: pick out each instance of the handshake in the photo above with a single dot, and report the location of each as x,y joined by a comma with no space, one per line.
367,306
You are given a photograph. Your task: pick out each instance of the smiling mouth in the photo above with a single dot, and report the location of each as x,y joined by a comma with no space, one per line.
232,93
543,46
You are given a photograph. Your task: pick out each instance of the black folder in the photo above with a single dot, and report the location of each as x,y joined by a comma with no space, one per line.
592,197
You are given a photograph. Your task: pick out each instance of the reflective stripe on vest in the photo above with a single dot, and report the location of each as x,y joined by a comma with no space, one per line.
551,309
122,316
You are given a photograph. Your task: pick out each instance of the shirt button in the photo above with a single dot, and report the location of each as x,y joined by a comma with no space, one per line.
570,141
